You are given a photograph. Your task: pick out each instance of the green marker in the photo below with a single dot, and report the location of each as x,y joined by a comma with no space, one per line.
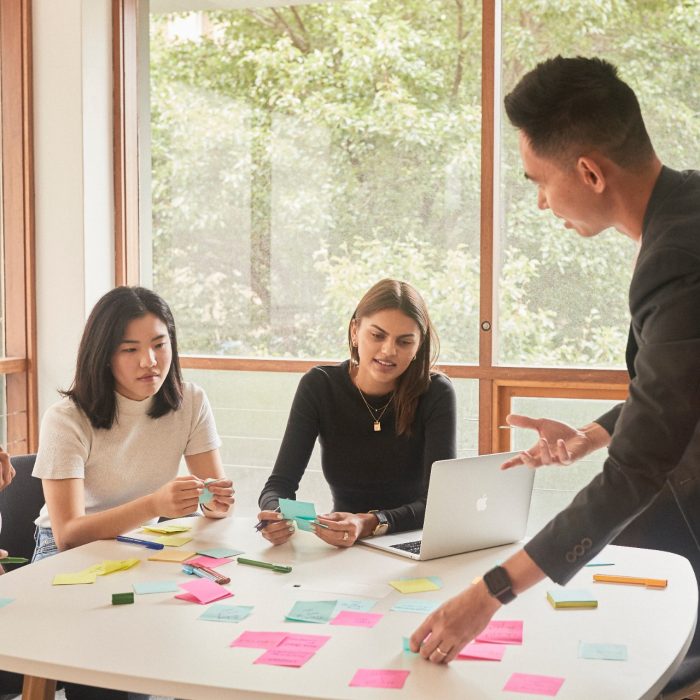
14,560
279,568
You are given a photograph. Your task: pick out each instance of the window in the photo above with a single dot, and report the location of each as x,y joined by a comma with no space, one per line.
292,155
18,419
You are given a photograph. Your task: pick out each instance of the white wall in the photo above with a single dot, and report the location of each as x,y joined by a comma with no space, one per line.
73,178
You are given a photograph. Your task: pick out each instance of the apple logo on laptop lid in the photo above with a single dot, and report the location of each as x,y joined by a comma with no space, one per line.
481,503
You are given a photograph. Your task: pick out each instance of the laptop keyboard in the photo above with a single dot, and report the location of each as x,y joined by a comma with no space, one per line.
412,547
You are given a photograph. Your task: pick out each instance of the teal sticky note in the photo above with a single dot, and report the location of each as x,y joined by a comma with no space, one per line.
205,496
355,604
144,587
5,601
416,605
436,580
600,562
407,646
301,512
608,652
318,611
226,613
220,552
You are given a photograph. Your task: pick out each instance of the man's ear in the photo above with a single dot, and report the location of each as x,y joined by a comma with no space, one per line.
591,173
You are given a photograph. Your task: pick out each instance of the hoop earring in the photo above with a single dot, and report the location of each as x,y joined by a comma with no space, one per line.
414,358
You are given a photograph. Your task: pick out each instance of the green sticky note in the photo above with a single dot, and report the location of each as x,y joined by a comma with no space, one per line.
5,601
318,611
301,512
608,652
122,598
220,552
407,646
226,613
355,604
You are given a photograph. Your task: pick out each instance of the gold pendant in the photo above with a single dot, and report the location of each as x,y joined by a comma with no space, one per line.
377,426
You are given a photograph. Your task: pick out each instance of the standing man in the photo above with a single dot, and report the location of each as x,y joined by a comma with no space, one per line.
584,146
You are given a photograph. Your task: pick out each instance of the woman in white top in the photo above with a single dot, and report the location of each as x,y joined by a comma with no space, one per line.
109,451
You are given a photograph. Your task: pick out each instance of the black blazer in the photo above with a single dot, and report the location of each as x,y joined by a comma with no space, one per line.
656,432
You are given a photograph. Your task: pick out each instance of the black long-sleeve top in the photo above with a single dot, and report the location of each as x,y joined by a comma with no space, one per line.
656,432
366,470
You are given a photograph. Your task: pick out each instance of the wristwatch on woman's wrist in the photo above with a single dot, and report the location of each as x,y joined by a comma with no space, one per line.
499,584
383,526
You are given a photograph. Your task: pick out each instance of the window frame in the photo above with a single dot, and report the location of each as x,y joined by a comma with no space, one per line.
19,367
498,384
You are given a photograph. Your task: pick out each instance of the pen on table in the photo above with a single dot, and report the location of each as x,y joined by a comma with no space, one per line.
633,580
143,543
264,523
279,568
205,572
315,522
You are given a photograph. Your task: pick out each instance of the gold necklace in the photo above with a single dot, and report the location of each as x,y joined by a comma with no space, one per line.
376,413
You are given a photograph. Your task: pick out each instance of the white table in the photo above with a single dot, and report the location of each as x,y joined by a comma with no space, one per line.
158,645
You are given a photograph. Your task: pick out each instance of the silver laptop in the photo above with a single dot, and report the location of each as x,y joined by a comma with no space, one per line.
472,504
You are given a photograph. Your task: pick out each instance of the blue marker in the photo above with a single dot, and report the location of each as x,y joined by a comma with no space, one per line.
143,543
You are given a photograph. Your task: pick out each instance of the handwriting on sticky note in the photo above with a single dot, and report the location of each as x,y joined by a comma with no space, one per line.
226,613
279,656
482,650
357,604
318,611
416,605
533,684
379,678
608,652
258,640
304,642
352,618
502,632
203,591
414,585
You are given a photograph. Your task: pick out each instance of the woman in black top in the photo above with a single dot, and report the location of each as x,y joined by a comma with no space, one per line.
382,418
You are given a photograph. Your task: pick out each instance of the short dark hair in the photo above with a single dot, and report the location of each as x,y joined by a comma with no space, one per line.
93,386
394,294
566,104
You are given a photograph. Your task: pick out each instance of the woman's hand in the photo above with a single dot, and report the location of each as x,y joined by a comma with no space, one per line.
558,442
278,530
7,471
341,529
222,501
178,497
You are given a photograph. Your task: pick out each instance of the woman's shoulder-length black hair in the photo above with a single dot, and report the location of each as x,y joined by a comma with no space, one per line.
93,388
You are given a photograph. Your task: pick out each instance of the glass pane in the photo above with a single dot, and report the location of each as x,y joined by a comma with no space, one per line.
299,155
251,410
563,300
16,448
2,250
555,486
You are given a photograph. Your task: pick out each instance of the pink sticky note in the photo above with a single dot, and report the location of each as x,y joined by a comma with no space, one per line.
502,632
203,591
211,562
353,618
259,640
536,685
379,678
305,642
479,650
280,656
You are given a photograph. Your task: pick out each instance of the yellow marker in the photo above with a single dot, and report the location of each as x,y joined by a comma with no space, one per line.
632,580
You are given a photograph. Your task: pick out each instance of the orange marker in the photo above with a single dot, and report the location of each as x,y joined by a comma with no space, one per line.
632,580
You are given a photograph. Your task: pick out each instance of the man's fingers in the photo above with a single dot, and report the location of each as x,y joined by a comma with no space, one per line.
512,462
518,421
563,453
545,452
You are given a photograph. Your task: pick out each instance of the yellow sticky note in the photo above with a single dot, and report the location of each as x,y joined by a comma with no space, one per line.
108,567
73,579
166,529
174,540
169,555
414,585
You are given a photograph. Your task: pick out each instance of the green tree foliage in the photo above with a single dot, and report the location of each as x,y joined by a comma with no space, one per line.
300,154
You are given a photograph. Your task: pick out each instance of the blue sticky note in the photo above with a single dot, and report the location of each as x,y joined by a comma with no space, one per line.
609,652
356,604
416,605
5,601
407,646
226,613
436,580
301,512
318,611
220,552
144,587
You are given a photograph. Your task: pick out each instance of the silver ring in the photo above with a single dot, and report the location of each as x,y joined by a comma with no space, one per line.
346,536
440,651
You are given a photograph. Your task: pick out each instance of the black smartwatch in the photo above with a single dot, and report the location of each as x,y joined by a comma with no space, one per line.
499,584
